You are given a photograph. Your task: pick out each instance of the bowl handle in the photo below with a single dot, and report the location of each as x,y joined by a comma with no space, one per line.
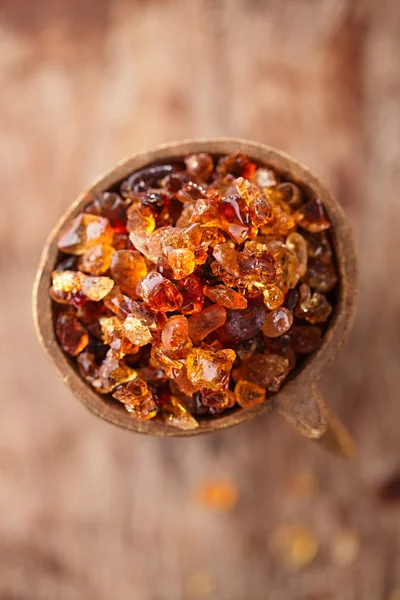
305,409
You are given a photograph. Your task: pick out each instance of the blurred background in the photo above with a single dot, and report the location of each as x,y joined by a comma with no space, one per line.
253,513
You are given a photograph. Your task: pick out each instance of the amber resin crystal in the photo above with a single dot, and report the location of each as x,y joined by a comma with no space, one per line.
194,287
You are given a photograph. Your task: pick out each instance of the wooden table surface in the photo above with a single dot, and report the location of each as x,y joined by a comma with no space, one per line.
92,512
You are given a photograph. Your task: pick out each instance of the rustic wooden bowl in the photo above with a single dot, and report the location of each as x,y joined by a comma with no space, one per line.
299,400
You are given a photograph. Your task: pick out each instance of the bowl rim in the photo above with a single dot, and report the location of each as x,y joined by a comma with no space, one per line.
339,327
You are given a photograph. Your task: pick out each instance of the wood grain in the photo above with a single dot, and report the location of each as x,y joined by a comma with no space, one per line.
93,512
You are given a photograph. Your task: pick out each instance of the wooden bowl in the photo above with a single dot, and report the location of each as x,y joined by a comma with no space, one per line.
299,400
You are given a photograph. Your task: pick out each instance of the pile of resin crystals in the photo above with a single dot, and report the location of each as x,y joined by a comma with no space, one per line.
196,286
